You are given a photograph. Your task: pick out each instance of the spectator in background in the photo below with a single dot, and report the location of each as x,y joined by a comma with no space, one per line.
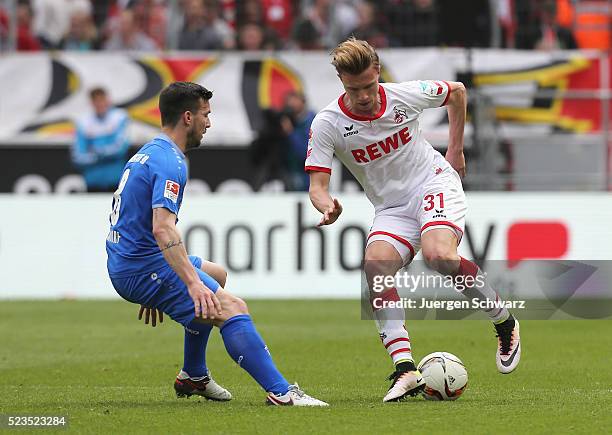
52,19
540,30
249,16
102,11
278,15
464,23
82,35
412,23
296,125
268,151
332,20
4,29
367,28
101,143
150,18
305,36
203,28
26,41
126,36
252,37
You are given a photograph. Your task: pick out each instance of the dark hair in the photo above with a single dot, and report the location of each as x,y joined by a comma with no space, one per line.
180,97
97,92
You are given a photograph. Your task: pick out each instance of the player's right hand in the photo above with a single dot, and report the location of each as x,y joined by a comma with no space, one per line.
331,214
207,305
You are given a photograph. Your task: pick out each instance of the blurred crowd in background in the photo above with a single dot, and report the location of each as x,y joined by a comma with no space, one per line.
147,25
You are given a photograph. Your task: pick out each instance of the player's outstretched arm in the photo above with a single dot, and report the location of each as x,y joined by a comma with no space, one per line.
321,199
170,243
457,104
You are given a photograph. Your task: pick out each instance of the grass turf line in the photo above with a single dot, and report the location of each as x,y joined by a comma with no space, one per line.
93,361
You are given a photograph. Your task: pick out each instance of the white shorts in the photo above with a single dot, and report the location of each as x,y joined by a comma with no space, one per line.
439,203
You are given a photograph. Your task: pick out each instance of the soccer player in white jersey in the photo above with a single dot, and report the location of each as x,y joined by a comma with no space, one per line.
373,128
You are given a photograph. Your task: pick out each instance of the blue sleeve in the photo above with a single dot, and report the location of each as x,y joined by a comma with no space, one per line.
167,183
81,155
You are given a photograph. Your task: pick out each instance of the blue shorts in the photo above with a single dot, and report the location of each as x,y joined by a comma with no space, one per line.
164,290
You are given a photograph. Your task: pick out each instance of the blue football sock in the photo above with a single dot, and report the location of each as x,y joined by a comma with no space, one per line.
245,346
196,339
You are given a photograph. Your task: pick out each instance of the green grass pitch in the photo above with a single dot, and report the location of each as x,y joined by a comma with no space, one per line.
94,362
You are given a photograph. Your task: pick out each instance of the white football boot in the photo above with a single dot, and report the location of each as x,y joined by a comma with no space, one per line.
405,383
508,345
204,386
293,397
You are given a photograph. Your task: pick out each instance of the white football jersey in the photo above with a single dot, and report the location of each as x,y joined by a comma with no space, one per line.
386,152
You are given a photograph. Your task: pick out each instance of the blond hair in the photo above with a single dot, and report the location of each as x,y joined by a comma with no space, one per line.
354,56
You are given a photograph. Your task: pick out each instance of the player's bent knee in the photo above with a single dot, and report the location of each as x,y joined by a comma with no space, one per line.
440,258
381,259
231,305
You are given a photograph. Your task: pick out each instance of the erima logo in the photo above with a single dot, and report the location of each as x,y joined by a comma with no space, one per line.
439,214
350,131
240,358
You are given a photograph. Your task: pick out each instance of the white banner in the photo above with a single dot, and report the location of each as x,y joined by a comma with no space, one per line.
53,246
43,93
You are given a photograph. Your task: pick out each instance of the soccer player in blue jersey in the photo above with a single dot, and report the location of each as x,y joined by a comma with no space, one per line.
148,264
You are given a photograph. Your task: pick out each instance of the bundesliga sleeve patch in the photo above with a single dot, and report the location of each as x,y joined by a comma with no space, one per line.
431,88
171,191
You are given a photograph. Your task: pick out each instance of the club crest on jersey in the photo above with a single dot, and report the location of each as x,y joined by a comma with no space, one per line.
350,130
400,115
171,191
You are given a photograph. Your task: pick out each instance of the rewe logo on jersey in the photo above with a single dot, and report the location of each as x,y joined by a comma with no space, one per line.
376,150
350,131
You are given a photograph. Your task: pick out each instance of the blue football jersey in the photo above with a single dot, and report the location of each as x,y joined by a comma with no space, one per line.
154,177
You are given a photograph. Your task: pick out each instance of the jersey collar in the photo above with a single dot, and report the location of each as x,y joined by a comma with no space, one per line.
165,138
383,107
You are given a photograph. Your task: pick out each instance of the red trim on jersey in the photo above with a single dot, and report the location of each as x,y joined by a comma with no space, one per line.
447,94
398,238
317,169
445,223
396,340
383,107
403,349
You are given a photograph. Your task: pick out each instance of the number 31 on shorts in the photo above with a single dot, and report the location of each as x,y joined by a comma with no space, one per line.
430,201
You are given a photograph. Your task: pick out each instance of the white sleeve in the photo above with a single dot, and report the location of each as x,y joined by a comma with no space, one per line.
425,94
320,146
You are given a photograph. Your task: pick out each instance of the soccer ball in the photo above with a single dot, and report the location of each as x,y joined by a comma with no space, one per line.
445,376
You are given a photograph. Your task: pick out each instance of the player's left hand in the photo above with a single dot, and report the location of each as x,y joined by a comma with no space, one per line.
331,214
150,312
457,161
